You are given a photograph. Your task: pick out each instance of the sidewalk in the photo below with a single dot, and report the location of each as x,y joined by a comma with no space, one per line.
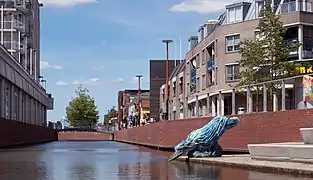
244,161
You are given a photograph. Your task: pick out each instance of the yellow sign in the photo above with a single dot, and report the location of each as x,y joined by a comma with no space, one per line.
305,70
307,88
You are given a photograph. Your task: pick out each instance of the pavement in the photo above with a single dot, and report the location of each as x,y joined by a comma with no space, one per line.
245,161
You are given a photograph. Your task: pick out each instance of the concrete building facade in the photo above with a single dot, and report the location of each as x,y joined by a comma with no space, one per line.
212,61
22,98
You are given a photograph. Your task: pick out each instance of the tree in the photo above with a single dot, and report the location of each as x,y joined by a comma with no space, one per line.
266,57
82,110
112,113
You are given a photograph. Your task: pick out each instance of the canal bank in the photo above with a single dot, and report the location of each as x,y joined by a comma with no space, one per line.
245,162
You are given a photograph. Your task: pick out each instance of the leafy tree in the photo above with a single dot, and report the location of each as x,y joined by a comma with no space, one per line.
112,113
82,110
266,57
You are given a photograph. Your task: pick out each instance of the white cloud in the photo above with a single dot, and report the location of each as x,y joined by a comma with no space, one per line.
91,81
61,83
46,65
66,3
201,6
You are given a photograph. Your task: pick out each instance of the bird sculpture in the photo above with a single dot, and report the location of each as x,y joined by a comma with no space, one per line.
203,142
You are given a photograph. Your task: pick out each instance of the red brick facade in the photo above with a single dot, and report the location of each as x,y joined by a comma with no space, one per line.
254,128
84,136
18,133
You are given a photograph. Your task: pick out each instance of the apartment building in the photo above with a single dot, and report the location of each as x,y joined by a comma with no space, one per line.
22,98
211,63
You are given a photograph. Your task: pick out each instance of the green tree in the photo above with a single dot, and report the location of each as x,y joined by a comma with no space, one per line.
266,58
82,110
111,113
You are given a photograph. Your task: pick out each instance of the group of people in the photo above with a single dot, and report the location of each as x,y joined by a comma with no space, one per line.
134,121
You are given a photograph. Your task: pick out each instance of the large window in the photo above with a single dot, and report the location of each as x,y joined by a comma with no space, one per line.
232,43
235,14
232,72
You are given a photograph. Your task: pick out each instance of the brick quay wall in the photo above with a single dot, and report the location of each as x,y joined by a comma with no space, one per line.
13,133
262,127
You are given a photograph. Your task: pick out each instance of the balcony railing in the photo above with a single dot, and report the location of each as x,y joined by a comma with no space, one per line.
14,24
14,45
295,6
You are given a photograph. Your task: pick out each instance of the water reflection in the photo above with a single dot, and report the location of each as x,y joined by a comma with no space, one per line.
109,161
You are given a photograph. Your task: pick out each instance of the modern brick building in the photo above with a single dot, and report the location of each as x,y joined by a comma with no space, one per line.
211,64
22,98
157,79
124,98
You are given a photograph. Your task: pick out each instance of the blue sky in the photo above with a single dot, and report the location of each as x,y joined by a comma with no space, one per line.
104,44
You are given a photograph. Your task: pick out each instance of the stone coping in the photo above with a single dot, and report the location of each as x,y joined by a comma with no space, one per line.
245,162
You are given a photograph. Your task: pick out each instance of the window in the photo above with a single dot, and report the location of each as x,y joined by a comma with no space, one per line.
232,43
260,7
235,14
232,72
180,85
198,84
203,57
174,89
203,82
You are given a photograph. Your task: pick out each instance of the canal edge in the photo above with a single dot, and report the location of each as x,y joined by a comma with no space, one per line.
250,166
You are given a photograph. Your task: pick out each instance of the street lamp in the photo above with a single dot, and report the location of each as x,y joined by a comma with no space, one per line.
167,42
138,106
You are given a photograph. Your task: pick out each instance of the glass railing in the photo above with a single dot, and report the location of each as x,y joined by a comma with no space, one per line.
295,6
14,24
13,45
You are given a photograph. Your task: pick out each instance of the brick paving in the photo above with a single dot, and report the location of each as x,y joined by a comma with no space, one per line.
244,161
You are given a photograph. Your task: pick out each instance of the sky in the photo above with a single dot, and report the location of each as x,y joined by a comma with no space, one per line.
104,44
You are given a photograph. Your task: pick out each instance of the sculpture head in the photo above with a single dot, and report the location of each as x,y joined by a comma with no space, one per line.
181,148
210,133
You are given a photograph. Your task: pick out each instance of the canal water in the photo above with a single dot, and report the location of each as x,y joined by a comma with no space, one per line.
110,161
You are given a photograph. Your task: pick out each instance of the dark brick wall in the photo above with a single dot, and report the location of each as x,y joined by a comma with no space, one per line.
84,136
157,79
17,133
266,127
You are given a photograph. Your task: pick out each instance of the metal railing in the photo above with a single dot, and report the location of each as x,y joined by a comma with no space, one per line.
14,45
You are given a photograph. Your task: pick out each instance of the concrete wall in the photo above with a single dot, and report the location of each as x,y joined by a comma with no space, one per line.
84,136
266,127
18,133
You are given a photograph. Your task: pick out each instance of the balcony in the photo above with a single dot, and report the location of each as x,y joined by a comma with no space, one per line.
211,64
14,45
14,24
295,6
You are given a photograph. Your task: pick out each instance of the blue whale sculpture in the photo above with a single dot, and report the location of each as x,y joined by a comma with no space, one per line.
203,142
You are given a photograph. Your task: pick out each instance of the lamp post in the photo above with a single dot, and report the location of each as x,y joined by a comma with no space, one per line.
139,105
167,42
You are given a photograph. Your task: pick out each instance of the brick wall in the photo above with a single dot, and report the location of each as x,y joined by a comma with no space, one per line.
84,136
17,133
266,127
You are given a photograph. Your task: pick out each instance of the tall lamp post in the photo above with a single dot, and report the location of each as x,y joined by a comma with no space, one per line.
167,42
139,105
